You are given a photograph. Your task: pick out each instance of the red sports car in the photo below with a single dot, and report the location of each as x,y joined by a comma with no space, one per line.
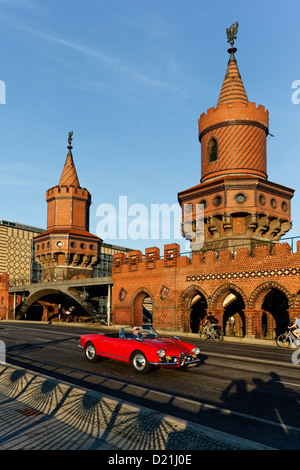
145,351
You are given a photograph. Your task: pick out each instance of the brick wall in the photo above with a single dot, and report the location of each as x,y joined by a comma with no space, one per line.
172,281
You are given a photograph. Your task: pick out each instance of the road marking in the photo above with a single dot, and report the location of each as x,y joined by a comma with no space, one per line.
287,383
249,359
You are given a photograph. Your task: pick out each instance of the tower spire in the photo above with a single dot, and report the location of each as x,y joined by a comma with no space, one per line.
69,175
232,87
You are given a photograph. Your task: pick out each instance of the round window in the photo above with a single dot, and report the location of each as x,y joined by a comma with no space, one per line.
217,200
273,203
262,199
240,198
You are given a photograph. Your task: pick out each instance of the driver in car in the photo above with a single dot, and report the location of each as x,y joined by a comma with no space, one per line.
135,332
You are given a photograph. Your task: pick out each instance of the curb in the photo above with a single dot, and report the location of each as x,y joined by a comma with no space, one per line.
116,422
231,339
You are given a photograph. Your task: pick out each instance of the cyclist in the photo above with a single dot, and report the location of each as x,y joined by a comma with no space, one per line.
210,323
297,326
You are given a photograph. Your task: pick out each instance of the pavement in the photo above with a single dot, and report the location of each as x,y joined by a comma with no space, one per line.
38,412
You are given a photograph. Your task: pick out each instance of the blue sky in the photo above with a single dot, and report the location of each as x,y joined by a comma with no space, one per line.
130,78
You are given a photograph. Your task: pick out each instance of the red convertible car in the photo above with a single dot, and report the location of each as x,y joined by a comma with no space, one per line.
145,352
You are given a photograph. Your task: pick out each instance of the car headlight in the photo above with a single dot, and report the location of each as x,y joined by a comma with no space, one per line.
196,351
161,352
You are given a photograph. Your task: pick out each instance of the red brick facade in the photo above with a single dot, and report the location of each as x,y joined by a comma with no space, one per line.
4,298
175,281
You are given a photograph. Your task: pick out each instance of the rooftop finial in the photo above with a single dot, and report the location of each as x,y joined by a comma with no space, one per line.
231,37
232,33
70,138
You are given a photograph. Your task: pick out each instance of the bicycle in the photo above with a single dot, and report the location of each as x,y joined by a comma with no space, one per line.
214,333
286,339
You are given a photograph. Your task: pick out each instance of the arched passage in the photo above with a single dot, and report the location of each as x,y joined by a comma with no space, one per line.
147,310
198,307
277,304
232,301
234,317
142,304
273,300
193,303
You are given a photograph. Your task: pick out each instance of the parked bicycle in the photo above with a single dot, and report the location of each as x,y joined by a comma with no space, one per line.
213,333
286,339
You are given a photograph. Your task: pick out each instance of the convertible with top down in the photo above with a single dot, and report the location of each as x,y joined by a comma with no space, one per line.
145,352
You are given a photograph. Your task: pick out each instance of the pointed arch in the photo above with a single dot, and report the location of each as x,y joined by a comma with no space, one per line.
137,304
257,297
223,291
189,293
192,305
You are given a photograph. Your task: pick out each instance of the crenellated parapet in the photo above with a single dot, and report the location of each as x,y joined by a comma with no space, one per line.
232,113
67,191
272,258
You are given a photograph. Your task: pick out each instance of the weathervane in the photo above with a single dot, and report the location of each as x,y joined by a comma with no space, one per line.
231,37
70,138
232,33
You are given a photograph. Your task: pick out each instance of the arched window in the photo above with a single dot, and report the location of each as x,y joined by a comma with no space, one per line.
212,150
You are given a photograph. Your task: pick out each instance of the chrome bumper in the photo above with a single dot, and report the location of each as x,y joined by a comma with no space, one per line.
175,362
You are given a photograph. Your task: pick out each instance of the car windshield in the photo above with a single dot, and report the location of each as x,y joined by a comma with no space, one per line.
145,331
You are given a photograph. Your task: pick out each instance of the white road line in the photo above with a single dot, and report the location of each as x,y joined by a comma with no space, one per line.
287,383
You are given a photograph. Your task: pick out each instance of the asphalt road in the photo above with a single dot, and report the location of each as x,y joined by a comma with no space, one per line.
252,391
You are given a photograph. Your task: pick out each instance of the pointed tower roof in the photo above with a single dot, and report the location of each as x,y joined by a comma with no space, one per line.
232,88
69,175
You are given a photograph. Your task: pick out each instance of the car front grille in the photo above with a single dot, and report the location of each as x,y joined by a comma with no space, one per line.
181,356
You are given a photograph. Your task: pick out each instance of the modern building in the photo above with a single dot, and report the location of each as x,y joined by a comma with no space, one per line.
17,253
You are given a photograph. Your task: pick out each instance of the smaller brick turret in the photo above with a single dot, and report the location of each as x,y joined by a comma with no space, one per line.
67,249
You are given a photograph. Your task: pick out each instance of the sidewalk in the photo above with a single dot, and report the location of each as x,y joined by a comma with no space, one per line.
40,413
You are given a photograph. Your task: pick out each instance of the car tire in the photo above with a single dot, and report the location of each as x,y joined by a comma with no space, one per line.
140,363
90,352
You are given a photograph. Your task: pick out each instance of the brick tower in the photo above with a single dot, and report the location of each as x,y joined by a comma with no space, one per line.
240,205
66,249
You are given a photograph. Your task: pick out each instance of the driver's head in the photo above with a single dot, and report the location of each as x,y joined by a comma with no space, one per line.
135,330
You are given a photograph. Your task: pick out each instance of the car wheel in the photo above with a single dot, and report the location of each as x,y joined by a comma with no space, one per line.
90,352
140,363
